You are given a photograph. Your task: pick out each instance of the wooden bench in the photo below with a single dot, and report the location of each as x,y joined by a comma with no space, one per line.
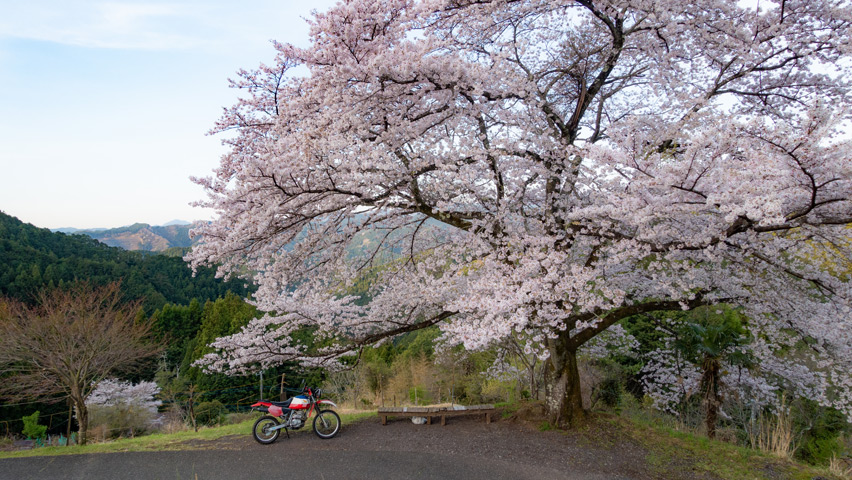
443,412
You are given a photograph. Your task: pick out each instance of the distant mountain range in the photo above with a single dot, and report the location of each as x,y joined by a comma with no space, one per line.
140,236
173,238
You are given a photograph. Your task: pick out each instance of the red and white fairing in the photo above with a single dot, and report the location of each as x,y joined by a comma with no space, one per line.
299,403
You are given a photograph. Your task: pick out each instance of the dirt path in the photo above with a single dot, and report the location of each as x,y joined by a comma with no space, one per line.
466,448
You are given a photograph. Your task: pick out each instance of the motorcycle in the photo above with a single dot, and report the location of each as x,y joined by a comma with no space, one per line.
294,413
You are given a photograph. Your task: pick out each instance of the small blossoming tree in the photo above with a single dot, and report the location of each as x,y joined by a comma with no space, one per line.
124,407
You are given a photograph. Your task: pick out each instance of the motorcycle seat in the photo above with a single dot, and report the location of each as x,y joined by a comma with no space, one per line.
284,404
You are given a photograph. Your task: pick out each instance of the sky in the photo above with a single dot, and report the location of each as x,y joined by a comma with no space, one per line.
106,104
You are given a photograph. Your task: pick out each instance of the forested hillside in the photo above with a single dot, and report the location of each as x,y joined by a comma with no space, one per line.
32,258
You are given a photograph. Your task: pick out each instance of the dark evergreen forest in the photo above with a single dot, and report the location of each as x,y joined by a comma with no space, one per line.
33,258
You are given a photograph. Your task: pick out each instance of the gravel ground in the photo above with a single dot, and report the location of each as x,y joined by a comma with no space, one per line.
549,454
597,452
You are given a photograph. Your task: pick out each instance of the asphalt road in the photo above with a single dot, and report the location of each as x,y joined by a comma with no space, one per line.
212,464
468,450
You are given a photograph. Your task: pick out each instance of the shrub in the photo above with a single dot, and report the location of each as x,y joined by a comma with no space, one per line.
98,433
173,420
609,392
120,420
491,390
31,427
419,396
819,450
210,413
239,417
821,429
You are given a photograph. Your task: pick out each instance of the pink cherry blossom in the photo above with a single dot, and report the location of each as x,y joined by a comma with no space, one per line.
547,167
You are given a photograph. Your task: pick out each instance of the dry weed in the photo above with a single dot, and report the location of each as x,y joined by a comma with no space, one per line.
774,434
842,467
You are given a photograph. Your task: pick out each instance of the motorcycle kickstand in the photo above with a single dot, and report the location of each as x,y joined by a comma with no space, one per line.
287,432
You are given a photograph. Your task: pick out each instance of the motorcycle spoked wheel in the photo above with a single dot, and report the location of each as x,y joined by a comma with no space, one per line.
261,430
326,424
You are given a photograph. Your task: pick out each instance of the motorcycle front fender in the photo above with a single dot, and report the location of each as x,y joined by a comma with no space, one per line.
326,402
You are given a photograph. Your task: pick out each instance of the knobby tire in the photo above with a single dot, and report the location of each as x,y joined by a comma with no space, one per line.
260,430
326,424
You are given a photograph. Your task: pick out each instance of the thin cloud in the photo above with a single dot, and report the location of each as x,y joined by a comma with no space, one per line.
147,26
150,25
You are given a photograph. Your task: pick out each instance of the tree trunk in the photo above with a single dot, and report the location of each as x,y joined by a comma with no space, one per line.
533,384
712,399
70,419
564,400
82,420
710,420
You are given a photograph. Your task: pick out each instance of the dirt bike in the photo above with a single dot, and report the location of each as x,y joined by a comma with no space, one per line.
294,413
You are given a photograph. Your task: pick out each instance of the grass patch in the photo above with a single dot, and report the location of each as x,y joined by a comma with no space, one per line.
186,440
507,409
673,452
670,452
545,426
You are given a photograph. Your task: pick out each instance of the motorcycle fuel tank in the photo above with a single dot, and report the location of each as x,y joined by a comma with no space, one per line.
299,402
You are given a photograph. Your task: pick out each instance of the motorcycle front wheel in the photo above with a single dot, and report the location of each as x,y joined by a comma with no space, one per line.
326,424
261,430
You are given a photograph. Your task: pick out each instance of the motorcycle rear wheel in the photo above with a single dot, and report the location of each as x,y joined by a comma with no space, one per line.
261,430
326,424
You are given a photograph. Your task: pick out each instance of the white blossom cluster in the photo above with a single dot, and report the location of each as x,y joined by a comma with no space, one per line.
112,392
615,341
670,380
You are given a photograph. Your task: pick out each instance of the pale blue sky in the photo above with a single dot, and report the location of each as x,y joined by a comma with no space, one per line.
105,104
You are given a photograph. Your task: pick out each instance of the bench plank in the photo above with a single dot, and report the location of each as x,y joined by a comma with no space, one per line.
429,412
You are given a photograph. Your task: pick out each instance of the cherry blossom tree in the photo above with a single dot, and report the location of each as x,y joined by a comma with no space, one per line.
540,166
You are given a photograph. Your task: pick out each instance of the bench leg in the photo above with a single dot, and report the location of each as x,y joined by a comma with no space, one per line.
443,419
487,418
429,420
384,419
